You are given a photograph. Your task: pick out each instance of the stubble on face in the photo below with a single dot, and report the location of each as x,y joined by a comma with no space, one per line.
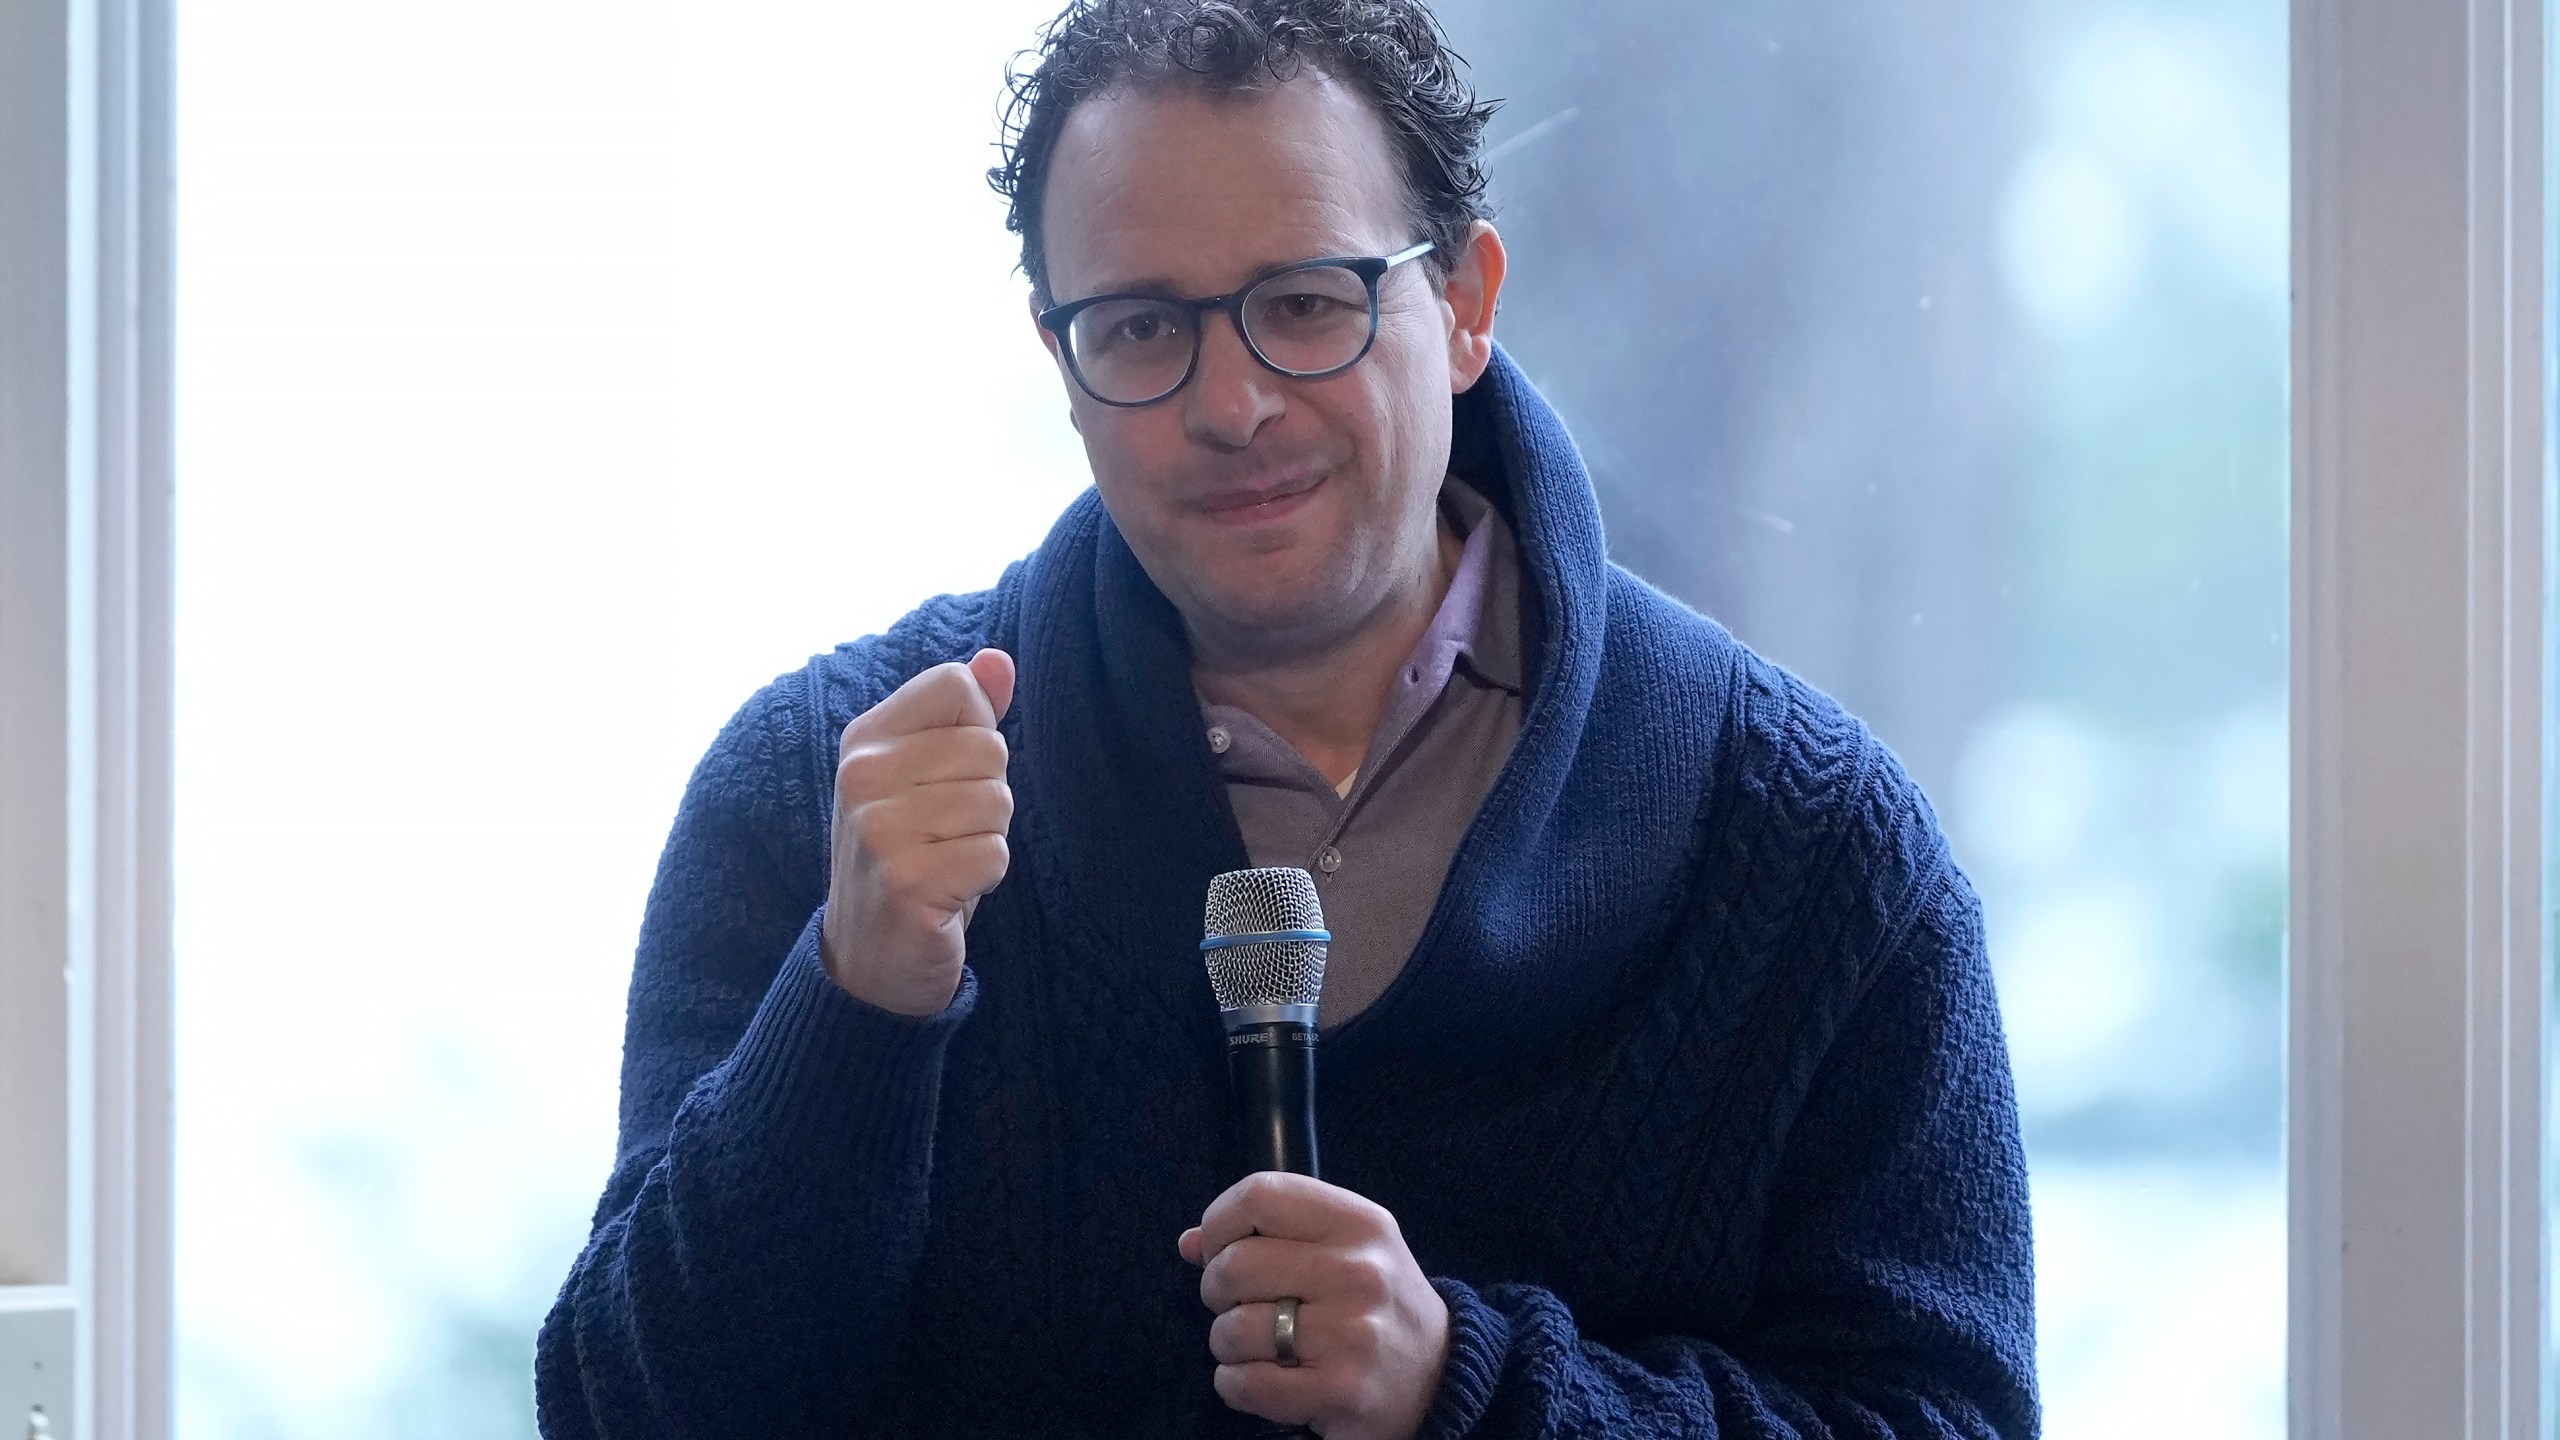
1282,517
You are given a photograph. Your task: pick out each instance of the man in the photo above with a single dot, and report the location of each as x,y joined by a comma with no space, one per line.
1664,1091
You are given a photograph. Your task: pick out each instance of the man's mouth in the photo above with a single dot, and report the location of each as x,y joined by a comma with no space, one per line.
1254,504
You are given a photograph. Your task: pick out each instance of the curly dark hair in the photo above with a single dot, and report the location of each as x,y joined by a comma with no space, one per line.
1392,51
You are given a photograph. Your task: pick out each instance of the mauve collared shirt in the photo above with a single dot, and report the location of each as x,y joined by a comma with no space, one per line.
1380,849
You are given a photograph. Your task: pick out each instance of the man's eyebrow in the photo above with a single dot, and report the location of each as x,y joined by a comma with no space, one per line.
1161,285
1143,285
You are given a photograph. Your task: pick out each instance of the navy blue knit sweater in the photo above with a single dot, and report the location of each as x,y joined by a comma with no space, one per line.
1692,1099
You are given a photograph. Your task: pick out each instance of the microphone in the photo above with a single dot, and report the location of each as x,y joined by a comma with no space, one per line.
1264,942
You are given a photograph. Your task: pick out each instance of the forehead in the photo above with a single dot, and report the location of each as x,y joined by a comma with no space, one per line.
1180,188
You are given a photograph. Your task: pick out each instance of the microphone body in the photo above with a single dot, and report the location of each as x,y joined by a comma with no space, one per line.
1271,1076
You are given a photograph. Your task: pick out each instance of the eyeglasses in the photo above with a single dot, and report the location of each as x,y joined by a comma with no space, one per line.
1308,320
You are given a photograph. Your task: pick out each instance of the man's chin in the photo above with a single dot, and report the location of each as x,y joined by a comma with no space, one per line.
1280,601
1262,622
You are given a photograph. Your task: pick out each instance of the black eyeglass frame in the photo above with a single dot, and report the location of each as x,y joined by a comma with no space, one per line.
1371,269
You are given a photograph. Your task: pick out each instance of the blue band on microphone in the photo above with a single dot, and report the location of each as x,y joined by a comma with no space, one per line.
1262,937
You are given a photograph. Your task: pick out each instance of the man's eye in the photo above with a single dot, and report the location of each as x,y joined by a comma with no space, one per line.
1144,327
1303,305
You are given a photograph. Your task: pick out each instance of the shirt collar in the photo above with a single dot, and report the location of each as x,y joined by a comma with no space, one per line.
1480,616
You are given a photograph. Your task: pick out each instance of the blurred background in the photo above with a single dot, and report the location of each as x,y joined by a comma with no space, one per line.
529,420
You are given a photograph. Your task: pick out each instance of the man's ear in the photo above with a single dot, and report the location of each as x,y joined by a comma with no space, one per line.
1471,293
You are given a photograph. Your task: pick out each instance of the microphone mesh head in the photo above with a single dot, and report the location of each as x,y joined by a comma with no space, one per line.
1271,972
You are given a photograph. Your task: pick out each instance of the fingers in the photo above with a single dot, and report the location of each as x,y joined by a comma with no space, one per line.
1246,1334
1258,1268
949,694
1250,1376
1275,1392
937,811
921,886
1294,1207
993,670
881,766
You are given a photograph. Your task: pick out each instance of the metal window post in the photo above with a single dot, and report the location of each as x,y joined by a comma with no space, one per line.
2415,1037
85,626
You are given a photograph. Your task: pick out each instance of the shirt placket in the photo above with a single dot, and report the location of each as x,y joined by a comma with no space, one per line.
1420,689
1325,857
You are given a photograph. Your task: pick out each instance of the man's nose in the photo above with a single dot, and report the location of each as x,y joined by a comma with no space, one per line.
1231,395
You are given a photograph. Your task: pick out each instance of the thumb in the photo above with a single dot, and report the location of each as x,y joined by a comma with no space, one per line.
994,670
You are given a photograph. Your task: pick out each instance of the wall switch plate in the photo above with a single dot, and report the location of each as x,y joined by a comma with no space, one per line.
37,1385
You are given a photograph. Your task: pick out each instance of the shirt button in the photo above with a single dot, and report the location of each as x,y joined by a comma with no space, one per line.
1328,859
1219,740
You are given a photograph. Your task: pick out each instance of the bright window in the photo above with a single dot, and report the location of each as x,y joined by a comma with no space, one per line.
527,425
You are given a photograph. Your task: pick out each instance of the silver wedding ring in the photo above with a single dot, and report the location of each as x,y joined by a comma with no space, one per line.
1284,1330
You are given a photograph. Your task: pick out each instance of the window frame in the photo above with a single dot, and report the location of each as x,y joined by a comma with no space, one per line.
2416,958
85,648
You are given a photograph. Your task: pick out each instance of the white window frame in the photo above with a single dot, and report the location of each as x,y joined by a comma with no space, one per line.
2416,1134
85,672
2417,954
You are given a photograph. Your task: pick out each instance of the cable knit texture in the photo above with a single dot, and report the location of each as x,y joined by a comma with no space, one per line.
1692,1099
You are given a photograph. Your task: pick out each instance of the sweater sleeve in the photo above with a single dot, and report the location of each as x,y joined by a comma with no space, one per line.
1896,1295
767,1208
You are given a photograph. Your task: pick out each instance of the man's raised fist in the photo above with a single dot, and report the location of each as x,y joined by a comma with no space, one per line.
921,811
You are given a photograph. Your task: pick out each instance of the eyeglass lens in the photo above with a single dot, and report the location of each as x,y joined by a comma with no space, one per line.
1304,322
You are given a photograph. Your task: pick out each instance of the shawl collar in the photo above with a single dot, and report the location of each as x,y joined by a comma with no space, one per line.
1126,820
